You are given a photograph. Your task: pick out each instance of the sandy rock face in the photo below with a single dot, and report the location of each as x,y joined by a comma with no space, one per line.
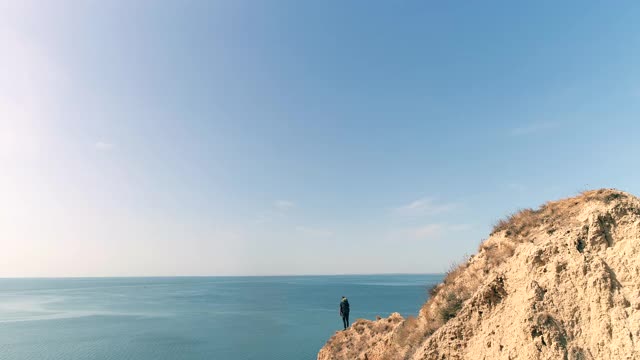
560,282
370,337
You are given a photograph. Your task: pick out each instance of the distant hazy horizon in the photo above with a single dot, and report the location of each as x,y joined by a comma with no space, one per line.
217,138
212,276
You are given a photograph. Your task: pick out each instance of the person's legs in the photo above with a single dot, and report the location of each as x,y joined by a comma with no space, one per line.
345,320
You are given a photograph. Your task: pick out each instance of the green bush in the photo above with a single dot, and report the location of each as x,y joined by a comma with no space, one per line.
452,306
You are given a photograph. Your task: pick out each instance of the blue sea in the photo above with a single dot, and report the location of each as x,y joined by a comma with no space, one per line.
235,318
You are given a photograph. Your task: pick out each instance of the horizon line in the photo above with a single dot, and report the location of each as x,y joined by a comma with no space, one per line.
205,276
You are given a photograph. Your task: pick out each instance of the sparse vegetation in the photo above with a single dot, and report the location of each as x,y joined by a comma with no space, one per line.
455,269
604,195
497,253
518,226
453,304
433,290
519,223
406,335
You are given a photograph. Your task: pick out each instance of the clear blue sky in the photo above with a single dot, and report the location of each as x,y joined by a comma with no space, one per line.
297,137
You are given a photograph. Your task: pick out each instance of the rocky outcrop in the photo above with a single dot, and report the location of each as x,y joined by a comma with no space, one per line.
560,282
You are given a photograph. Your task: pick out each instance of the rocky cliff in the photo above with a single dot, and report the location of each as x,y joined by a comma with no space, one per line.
559,282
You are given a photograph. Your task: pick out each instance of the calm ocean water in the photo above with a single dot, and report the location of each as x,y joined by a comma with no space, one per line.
243,318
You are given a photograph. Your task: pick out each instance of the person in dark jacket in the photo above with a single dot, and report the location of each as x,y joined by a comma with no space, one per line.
344,312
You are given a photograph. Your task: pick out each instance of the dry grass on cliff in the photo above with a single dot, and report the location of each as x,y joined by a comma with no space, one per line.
604,195
458,285
406,334
447,298
364,334
519,225
497,253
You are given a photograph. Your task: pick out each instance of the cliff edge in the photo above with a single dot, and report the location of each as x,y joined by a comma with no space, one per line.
559,282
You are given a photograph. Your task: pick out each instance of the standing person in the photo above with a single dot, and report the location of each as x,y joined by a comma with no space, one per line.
344,312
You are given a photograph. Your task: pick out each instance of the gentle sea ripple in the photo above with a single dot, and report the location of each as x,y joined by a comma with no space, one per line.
234,318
